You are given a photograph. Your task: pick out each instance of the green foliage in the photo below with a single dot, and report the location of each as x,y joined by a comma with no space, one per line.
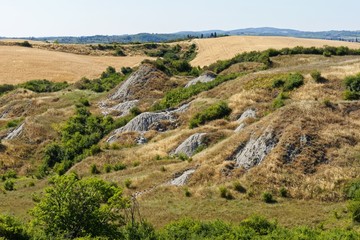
128,183
108,168
225,193
119,52
187,192
354,208
9,174
75,207
79,138
178,95
9,185
349,95
279,100
268,197
278,83
238,187
119,167
254,56
126,70
42,86
293,81
25,44
14,123
215,111
108,80
94,169
85,102
283,192
12,229
4,88
352,84
316,75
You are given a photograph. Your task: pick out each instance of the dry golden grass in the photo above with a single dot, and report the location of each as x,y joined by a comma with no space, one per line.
211,50
20,64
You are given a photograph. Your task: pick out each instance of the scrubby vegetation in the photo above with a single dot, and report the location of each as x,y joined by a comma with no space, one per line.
178,95
79,138
265,56
41,86
215,111
290,82
352,84
108,80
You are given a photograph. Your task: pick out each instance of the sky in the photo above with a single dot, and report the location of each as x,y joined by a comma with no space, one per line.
39,18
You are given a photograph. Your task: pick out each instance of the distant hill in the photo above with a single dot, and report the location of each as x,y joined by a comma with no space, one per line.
155,37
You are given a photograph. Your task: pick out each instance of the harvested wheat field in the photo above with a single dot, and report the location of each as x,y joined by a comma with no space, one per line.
20,64
213,49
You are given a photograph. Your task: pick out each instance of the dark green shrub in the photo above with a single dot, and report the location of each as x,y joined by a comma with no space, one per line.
187,192
354,208
293,81
107,168
279,101
278,83
128,183
10,174
225,193
268,197
6,88
94,169
25,44
13,123
239,188
85,102
216,111
316,75
119,52
42,86
9,185
283,192
126,70
349,95
327,54
119,167
352,83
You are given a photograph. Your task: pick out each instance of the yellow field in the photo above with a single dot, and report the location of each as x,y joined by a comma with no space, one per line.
20,64
213,49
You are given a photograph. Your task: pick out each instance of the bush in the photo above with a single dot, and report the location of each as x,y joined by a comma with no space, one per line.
6,88
10,174
12,229
94,169
9,185
119,167
216,111
42,86
316,75
225,193
126,70
239,188
349,95
279,101
25,44
85,102
283,192
187,192
268,197
107,168
128,183
278,83
293,81
352,84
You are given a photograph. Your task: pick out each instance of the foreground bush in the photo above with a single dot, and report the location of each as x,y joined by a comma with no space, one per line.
41,86
75,207
12,229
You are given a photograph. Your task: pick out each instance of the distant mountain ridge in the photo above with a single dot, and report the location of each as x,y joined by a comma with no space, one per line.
157,37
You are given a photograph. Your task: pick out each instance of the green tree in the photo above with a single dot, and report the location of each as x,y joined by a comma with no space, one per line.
12,229
75,207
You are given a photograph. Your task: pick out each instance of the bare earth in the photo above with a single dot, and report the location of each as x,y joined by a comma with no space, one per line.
20,64
211,50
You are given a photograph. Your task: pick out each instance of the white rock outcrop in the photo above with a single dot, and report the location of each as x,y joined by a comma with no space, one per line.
204,78
189,146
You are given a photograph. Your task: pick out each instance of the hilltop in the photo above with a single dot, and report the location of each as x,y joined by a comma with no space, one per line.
164,37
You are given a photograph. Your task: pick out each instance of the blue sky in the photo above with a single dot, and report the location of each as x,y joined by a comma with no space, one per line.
113,17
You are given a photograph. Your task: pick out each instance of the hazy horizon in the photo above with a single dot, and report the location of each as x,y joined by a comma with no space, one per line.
42,18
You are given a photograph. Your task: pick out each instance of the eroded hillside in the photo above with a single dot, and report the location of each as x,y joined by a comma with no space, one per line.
263,123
